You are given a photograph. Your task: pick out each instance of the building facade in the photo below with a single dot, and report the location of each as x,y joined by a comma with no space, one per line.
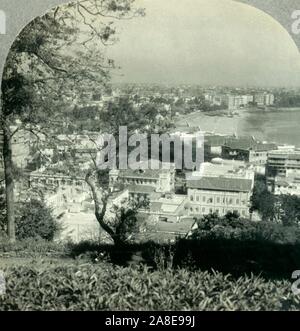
264,99
143,181
219,195
283,171
247,150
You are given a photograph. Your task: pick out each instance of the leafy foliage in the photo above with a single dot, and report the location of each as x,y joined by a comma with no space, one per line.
282,208
289,210
123,221
36,220
54,56
262,200
231,226
106,287
33,248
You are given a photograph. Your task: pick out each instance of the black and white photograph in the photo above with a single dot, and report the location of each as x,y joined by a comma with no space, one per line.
150,157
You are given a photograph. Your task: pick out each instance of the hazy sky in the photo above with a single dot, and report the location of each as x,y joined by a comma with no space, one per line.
216,42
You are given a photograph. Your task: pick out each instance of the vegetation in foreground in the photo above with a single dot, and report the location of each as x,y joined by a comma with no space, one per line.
227,244
227,264
51,286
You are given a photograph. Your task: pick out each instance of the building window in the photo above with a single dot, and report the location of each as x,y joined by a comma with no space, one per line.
218,200
203,199
203,210
192,198
237,201
197,198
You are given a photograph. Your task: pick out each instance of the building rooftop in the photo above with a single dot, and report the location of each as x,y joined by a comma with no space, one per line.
283,154
241,142
221,184
223,169
168,205
249,143
140,173
231,169
140,189
215,140
185,129
148,170
55,176
264,147
287,181
182,227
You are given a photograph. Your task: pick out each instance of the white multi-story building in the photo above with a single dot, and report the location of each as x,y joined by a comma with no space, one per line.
283,171
283,162
143,182
264,99
238,101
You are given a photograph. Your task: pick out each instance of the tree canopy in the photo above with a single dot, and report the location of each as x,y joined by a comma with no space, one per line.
53,59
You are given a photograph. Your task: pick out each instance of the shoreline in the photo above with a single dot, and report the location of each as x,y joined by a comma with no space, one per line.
279,125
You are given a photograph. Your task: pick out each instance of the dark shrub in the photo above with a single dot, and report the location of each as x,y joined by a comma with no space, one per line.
35,220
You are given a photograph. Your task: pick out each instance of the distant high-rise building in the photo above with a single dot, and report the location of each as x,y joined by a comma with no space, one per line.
238,101
264,99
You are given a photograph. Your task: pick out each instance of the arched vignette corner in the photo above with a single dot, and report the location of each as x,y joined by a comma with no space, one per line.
17,18
280,11
2,22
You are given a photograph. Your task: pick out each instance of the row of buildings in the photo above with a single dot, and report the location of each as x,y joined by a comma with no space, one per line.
218,187
234,102
224,183
280,164
246,149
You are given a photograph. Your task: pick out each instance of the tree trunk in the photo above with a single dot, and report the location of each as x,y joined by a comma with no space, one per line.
99,212
9,183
